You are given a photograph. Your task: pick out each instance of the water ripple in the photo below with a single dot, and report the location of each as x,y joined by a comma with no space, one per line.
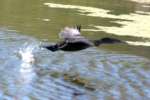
90,74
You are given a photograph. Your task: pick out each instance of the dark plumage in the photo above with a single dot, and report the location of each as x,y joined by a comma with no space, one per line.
73,41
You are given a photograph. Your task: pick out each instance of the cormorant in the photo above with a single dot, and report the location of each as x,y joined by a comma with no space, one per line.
74,41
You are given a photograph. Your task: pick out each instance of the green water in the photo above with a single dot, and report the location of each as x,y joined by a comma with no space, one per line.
35,19
27,16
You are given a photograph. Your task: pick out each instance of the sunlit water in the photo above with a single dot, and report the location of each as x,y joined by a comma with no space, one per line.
28,73
108,72
132,25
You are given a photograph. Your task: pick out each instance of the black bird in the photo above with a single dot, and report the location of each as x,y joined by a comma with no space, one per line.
73,41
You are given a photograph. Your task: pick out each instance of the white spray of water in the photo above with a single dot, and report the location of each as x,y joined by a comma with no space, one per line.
27,55
27,72
27,62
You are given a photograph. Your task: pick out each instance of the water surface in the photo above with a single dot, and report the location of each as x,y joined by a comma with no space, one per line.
109,72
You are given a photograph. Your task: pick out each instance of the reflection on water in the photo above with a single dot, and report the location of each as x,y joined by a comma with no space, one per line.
139,43
123,19
132,25
90,74
141,1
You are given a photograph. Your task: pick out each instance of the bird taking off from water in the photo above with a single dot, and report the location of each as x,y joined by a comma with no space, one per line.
72,40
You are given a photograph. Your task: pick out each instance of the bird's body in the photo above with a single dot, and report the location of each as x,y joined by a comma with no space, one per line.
73,41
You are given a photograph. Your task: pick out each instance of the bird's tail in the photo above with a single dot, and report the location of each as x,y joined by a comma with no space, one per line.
107,40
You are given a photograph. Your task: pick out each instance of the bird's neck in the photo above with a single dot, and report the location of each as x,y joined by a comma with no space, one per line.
97,42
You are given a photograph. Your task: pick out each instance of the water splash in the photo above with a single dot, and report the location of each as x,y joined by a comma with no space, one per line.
26,71
27,62
27,53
